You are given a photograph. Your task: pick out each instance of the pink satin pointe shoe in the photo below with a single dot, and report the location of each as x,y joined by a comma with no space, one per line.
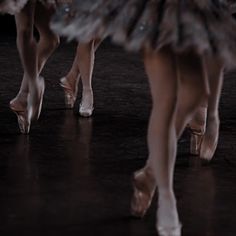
204,145
34,106
144,188
18,106
23,122
204,134
26,110
70,93
19,102
86,106
210,140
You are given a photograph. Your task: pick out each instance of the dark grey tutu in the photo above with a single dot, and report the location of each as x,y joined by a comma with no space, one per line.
205,25
15,6
12,6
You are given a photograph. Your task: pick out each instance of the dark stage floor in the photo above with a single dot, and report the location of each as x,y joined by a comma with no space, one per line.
71,175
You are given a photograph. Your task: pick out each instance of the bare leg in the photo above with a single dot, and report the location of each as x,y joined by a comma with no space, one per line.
27,49
207,118
33,56
82,66
144,184
32,87
202,118
162,136
48,41
73,75
86,63
210,138
161,133
71,80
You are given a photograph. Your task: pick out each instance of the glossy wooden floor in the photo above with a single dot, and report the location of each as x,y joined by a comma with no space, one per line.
71,175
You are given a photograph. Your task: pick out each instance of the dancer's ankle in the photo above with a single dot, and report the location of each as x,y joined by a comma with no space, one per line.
72,79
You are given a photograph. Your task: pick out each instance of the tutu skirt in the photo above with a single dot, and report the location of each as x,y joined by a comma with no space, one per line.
203,25
12,6
15,6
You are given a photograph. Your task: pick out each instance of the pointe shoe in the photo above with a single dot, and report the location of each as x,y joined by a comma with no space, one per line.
28,112
172,231
85,111
144,188
210,140
23,122
34,107
203,145
18,105
70,93
86,106
19,102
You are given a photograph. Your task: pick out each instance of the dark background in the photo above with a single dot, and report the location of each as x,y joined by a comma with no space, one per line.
7,25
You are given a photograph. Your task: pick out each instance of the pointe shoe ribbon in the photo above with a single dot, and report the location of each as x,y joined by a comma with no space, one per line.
18,106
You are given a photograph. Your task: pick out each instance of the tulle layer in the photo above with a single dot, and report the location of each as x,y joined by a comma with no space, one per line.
15,6
12,6
204,25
